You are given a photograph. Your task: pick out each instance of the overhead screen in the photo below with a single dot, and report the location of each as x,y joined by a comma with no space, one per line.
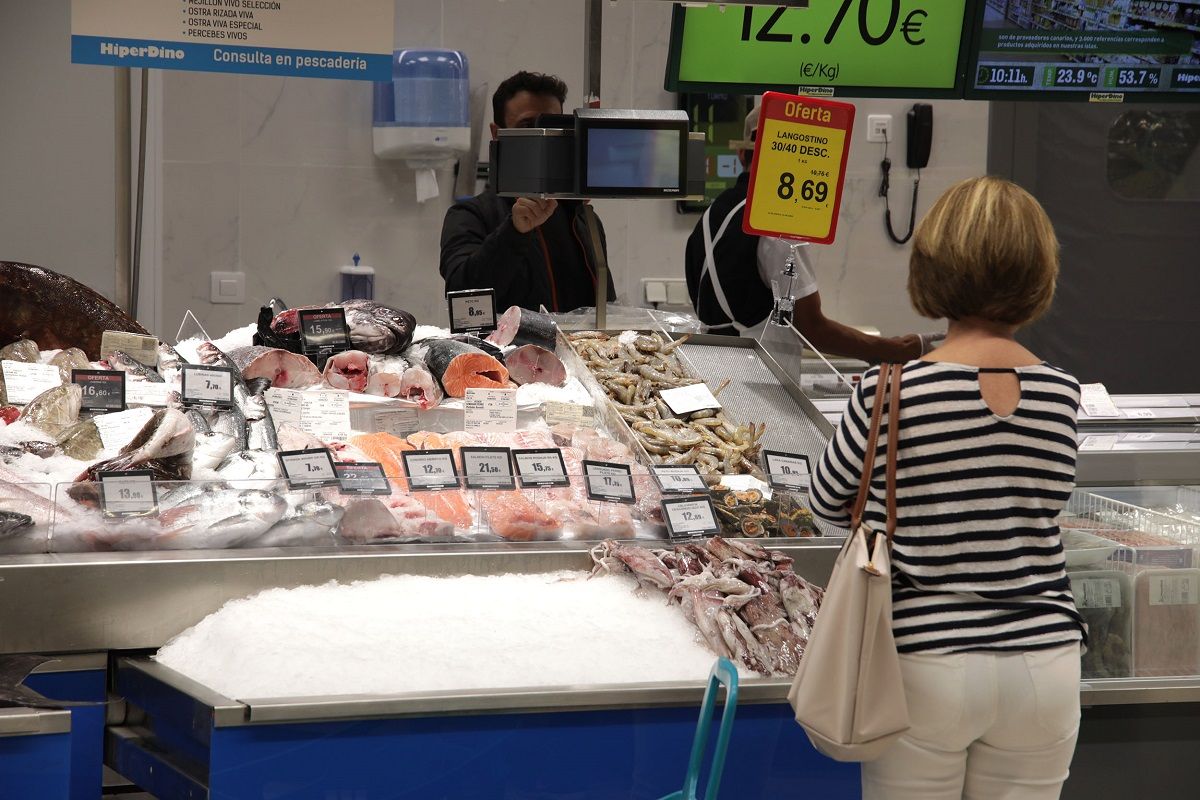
845,48
1133,50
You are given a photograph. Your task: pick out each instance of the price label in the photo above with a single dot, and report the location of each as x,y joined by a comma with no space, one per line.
323,331
799,167
430,470
609,482
1096,592
554,412
1095,401
488,467
541,468
1175,590
1140,413
119,428
400,422
207,386
128,494
472,310
683,479
1106,441
103,389
24,381
690,516
306,469
786,471
324,415
361,477
145,393
686,399
490,410
138,346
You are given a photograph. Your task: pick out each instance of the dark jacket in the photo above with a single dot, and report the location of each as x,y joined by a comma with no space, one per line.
552,265
735,257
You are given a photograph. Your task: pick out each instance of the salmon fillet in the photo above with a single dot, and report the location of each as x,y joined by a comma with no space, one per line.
515,517
449,505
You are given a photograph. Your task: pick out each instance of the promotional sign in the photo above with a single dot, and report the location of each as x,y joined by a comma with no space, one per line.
799,167
349,39
362,478
902,48
323,331
103,389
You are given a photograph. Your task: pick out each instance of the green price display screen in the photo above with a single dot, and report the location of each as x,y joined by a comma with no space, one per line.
847,48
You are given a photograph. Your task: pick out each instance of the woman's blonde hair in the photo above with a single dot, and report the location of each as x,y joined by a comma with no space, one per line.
986,249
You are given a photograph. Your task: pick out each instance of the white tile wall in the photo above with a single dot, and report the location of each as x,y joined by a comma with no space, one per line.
276,177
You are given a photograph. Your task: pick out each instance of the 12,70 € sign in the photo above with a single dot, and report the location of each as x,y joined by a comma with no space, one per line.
799,166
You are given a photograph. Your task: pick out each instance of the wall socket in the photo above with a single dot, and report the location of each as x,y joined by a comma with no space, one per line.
227,287
665,291
879,128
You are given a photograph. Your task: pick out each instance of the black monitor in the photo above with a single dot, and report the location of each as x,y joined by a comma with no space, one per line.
1133,51
631,154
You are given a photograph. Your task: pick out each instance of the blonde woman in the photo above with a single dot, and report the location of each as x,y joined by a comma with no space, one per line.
987,629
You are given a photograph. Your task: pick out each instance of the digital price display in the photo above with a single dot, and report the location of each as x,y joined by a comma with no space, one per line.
207,386
102,389
307,469
362,477
1076,49
487,467
430,470
472,310
607,482
682,479
541,468
690,516
127,494
847,48
323,331
787,471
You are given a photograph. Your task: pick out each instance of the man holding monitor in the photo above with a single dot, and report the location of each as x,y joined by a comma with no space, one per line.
533,252
729,274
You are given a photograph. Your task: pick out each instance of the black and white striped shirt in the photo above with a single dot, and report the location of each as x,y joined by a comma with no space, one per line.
977,560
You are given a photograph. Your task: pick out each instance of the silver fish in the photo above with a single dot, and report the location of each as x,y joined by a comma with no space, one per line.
219,519
313,523
119,359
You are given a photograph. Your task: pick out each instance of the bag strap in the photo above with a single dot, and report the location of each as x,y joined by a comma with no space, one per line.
864,485
893,446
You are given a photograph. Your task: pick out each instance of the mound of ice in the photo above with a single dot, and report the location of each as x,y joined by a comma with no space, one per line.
410,633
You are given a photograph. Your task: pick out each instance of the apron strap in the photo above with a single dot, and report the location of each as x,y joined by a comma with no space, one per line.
710,264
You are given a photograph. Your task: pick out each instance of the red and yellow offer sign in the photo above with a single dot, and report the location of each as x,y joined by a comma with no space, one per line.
799,167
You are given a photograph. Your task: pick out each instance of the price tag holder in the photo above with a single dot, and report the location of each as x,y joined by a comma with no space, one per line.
207,386
308,469
430,470
612,483
323,331
786,471
687,399
683,479
472,310
25,381
103,389
128,494
690,516
541,468
802,147
362,477
488,467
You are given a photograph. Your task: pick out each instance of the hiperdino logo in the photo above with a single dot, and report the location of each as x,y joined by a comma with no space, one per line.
151,51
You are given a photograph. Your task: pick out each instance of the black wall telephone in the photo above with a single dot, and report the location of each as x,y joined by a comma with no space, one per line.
920,141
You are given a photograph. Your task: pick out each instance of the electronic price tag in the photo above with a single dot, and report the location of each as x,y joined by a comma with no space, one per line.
609,482
323,331
541,468
488,467
786,471
361,477
799,167
472,310
430,470
308,469
207,386
690,516
103,389
682,479
127,494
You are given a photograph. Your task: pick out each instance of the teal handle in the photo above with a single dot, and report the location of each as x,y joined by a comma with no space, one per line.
723,673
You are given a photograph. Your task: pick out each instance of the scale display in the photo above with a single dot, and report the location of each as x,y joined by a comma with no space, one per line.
1086,49
844,48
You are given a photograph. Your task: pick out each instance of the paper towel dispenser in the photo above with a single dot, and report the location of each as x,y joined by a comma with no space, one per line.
422,115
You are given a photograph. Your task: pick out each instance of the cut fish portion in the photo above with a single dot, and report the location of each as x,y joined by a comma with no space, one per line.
515,517
283,369
460,367
521,326
347,370
418,385
385,375
533,364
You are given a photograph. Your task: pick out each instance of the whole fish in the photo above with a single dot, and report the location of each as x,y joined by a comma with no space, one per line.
54,409
24,350
374,327
170,363
164,445
81,441
69,359
13,522
313,523
220,518
56,311
119,359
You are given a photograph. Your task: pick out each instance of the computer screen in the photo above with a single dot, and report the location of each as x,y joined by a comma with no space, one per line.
633,158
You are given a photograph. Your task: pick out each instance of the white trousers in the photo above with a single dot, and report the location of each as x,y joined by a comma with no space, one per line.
984,727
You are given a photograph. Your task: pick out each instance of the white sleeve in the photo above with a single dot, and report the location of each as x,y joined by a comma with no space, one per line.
772,256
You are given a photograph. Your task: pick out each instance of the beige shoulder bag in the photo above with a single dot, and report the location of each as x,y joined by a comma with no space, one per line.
848,692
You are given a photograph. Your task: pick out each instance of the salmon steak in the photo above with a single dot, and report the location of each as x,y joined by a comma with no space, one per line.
459,366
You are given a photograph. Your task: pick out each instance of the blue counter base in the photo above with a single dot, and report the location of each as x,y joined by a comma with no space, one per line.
86,745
